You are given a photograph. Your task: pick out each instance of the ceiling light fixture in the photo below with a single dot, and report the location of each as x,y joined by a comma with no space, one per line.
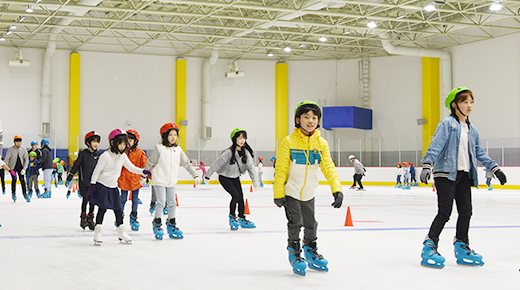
287,49
495,6
322,39
29,9
270,53
429,7
372,24
21,19
8,31
302,45
38,1
13,27
346,32
2,38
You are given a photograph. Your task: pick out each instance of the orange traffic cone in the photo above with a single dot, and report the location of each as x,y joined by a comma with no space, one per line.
74,187
348,220
176,200
194,184
130,195
433,187
246,210
251,189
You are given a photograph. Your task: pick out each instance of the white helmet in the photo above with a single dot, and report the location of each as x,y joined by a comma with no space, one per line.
351,157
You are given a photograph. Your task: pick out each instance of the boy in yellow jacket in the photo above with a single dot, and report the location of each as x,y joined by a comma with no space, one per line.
300,156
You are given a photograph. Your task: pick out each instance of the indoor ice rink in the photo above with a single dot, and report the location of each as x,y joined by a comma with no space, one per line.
43,246
380,70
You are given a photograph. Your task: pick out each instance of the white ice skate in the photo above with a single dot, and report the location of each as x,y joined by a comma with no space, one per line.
98,235
123,236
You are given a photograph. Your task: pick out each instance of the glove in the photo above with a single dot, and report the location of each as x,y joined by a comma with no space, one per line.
147,173
500,175
197,180
91,189
13,173
426,172
280,201
67,183
338,199
22,172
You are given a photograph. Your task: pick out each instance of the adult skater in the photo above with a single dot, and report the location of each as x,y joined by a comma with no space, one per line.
359,171
300,156
47,167
103,184
17,158
84,166
233,162
455,149
164,162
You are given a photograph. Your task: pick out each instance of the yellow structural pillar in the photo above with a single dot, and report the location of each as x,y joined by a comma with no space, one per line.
74,97
281,102
180,99
430,99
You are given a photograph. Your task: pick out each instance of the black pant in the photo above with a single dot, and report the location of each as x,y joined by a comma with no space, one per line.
101,214
301,213
2,177
447,191
22,181
357,178
85,199
234,188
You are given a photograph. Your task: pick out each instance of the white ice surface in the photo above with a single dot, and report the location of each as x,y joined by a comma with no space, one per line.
43,247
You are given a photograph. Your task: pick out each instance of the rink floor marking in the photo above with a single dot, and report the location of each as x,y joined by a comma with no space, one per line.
249,231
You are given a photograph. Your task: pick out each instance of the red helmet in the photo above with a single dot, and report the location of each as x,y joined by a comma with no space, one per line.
90,135
405,163
133,132
201,163
411,164
168,126
399,163
115,133
260,158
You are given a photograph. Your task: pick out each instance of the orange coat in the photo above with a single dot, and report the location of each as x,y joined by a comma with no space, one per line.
130,181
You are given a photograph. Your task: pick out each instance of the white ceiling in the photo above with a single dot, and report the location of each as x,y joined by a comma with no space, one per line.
248,29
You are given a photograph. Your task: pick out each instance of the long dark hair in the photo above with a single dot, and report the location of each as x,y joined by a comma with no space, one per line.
233,148
164,139
460,97
114,143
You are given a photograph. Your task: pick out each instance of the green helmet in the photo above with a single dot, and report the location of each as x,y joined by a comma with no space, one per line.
56,160
237,129
32,154
297,114
451,96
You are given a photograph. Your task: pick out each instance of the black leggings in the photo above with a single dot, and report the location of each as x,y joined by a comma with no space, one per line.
357,178
2,177
447,191
22,181
85,196
234,188
101,214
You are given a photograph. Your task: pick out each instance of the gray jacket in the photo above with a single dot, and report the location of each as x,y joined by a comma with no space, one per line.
13,153
222,166
358,167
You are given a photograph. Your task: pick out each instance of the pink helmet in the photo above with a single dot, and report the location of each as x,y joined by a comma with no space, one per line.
114,133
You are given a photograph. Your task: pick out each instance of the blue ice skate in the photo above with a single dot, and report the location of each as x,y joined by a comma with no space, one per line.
466,256
430,256
152,208
157,230
133,221
314,260
246,223
490,187
79,194
233,224
30,194
68,194
13,195
139,201
297,262
3,191
26,197
173,231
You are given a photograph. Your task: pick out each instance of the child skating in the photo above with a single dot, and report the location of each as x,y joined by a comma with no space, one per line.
406,176
103,184
203,169
413,181
233,162
455,150
300,156
164,163
132,182
260,170
33,171
359,172
84,166
399,173
47,167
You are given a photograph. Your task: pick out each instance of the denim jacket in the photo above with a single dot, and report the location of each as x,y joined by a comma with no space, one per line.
443,151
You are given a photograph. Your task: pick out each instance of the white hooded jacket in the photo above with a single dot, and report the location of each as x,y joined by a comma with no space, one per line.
164,164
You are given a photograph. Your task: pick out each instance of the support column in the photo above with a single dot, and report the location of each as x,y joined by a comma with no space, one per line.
430,99
281,102
180,99
74,105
